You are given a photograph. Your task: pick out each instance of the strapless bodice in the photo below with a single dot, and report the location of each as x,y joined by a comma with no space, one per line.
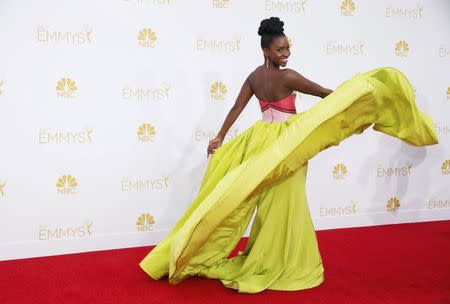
279,110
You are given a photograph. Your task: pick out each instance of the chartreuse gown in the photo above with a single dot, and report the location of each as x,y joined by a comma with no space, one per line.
264,168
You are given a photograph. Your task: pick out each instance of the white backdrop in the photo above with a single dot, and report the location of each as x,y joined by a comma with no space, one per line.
106,109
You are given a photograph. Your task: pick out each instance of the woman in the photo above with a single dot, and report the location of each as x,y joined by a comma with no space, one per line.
271,85
265,167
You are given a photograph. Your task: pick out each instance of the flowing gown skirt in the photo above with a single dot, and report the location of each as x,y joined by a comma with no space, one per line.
265,168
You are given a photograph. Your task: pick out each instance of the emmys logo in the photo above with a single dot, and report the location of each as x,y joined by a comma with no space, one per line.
83,37
433,204
411,13
339,171
144,184
347,8
146,132
207,135
448,93
335,48
2,188
59,137
392,205
446,167
349,209
218,91
441,130
401,48
1,84
212,45
286,6
147,38
66,184
145,222
289,42
66,88
394,171
146,94
80,231
221,3
444,51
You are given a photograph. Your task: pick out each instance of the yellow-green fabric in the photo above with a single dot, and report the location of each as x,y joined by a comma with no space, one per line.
265,168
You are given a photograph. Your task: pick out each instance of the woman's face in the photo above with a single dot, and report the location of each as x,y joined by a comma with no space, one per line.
278,51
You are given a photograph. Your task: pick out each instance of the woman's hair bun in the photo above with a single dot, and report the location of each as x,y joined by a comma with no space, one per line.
271,26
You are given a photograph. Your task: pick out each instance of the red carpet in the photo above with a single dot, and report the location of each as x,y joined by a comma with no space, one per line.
403,263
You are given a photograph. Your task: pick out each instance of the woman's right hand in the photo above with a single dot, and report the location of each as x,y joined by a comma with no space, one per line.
214,144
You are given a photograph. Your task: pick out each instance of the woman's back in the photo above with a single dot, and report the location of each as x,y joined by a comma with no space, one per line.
269,84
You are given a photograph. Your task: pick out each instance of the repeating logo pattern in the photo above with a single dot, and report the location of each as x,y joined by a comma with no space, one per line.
395,171
221,3
208,134
218,46
145,222
48,136
47,232
47,35
146,132
343,210
404,12
285,6
218,91
147,38
66,184
2,188
439,204
401,48
66,88
345,49
347,8
393,204
339,171
161,93
144,184
446,167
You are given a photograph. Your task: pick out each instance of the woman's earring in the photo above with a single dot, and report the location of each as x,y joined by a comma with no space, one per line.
267,63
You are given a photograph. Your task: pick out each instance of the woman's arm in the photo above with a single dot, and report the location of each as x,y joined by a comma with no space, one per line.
297,82
241,101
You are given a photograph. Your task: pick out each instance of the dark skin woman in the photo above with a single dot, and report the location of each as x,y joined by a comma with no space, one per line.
269,83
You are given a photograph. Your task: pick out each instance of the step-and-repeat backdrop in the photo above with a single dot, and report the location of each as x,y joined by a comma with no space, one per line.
107,107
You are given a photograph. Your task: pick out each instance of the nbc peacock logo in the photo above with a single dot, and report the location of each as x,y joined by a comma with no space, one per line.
446,167
218,91
145,222
147,38
347,8
339,171
221,3
2,188
401,48
146,132
393,204
66,184
66,88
